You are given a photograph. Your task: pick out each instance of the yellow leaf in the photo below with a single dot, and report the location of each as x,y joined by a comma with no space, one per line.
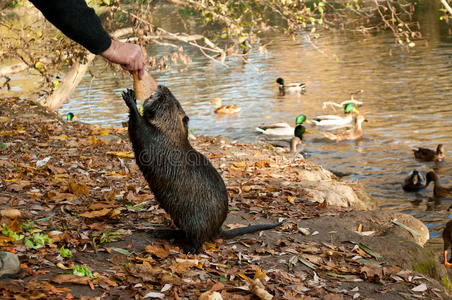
360,228
246,188
210,246
122,154
78,189
240,164
93,140
262,164
4,119
243,276
260,275
62,175
96,213
291,199
157,251
105,132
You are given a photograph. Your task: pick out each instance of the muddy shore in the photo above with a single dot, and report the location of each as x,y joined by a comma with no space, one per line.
81,187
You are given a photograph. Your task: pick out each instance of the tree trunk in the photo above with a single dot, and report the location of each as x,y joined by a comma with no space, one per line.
74,76
70,82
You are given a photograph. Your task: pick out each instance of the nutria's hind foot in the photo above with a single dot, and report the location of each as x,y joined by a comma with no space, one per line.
129,98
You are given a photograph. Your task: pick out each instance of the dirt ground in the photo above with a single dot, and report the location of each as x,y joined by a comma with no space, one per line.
90,197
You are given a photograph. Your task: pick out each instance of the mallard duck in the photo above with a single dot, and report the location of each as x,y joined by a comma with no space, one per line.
414,181
439,191
290,88
298,132
224,109
430,155
351,134
70,116
282,129
332,122
447,239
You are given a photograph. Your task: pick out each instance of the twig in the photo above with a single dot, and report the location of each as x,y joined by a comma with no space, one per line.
330,103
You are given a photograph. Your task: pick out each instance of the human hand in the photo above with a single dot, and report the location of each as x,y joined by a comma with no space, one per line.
128,55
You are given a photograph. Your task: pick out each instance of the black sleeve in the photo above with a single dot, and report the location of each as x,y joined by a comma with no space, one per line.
76,20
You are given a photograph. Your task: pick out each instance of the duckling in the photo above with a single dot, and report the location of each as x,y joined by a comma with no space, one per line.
282,129
224,109
352,134
447,239
290,88
70,117
430,155
414,182
332,122
439,191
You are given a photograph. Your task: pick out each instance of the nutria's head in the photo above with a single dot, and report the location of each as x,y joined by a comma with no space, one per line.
164,111
440,149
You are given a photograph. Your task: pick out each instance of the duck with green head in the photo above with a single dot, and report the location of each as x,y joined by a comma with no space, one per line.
333,122
282,128
70,117
290,88
299,131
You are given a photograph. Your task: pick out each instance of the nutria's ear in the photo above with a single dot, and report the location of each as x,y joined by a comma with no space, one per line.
185,119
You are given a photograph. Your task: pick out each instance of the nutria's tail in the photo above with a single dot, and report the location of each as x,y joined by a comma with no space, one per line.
229,234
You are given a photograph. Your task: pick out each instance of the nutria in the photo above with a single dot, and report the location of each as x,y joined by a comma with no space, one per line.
184,182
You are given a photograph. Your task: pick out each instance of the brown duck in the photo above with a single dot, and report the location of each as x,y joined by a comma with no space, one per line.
430,155
439,191
352,134
447,238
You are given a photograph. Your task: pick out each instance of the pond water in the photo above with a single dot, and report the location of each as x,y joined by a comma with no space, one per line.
407,100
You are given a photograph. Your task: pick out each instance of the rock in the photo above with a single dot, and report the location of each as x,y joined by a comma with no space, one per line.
334,194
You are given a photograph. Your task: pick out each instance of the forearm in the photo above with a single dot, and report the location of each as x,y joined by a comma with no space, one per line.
78,21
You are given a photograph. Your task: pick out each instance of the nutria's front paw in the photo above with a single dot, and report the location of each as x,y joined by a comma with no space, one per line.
129,98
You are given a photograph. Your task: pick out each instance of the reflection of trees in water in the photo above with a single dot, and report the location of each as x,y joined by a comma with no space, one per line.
217,31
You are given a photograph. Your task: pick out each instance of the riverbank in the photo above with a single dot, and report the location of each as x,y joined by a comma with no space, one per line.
80,186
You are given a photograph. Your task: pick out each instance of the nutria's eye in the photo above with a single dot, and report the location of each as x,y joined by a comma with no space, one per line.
185,120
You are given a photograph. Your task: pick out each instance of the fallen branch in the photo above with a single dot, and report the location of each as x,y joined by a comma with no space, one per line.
447,6
334,104
74,76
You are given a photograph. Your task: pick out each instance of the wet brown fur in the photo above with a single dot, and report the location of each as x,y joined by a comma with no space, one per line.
183,180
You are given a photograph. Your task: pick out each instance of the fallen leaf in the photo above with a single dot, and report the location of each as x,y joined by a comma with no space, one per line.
373,273
122,154
157,251
291,199
210,295
101,213
78,189
420,288
10,213
70,278
154,295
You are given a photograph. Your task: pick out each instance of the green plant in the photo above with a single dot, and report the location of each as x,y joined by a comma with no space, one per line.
447,283
28,225
8,232
37,241
65,252
81,270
